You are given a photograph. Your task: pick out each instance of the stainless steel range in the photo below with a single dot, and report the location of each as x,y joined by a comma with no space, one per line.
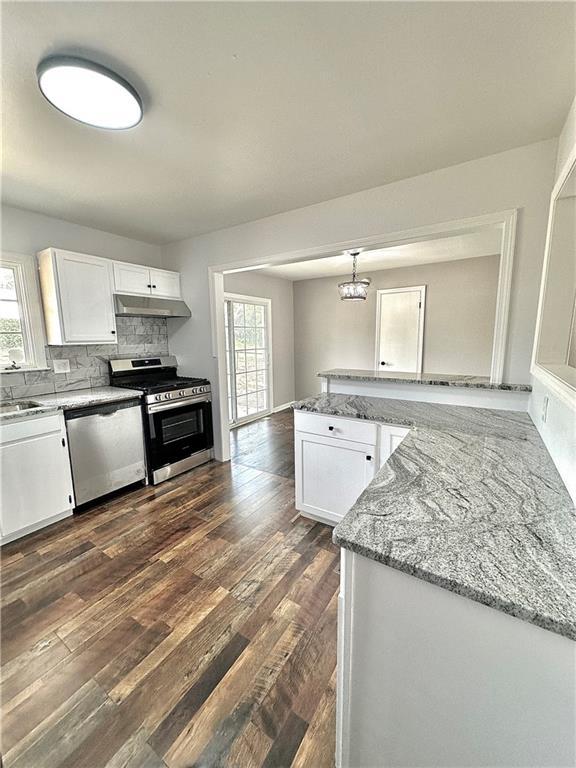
177,410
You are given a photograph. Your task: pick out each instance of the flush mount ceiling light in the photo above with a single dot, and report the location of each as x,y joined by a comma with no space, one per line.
89,92
355,289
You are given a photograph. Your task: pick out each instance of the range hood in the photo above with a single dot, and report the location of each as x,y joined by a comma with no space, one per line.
149,306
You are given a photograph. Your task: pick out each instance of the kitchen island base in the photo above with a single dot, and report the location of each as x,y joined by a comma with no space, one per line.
429,678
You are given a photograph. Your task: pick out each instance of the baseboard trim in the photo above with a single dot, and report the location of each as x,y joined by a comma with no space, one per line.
283,407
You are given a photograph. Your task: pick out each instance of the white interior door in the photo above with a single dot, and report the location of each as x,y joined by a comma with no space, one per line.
248,347
400,329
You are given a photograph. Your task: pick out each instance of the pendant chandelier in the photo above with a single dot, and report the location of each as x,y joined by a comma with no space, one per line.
355,289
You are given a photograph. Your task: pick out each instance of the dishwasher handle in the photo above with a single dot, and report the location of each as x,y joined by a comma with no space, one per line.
101,409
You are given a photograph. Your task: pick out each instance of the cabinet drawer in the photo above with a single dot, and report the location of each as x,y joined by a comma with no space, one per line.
36,425
357,430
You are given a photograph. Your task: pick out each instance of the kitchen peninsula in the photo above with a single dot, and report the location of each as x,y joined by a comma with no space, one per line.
459,559
453,389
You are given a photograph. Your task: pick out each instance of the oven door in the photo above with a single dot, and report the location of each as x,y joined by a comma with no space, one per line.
178,430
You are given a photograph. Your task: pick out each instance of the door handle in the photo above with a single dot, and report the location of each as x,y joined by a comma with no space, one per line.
383,362
368,458
331,429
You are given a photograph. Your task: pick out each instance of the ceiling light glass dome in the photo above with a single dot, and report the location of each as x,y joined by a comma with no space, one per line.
89,92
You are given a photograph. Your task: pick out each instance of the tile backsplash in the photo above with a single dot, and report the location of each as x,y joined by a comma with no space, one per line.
137,337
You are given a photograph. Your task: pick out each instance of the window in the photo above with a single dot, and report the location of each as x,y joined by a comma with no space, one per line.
247,323
21,330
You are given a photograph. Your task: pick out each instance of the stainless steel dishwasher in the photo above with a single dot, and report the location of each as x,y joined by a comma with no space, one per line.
106,444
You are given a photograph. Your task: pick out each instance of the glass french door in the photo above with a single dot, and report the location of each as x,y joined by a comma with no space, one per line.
247,326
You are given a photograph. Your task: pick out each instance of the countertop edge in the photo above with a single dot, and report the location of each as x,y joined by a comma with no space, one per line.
463,384
504,606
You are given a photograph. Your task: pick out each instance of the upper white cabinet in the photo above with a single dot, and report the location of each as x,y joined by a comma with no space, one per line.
78,298
146,281
165,283
131,278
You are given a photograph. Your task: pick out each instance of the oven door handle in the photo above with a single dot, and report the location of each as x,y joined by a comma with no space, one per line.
168,406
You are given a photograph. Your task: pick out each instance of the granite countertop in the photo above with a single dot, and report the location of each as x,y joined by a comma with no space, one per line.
438,379
471,501
80,398
67,401
28,413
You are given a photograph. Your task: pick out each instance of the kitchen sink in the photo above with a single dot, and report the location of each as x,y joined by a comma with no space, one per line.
18,405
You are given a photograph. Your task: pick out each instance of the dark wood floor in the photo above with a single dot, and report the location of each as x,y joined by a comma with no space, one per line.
191,624
266,444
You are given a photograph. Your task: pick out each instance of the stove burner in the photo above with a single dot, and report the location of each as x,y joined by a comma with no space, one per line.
152,385
156,376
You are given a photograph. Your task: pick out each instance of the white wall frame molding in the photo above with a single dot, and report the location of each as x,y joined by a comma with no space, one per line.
505,219
559,379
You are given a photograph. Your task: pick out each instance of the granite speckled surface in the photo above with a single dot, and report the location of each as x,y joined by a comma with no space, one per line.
435,379
470,501
80,398
30,412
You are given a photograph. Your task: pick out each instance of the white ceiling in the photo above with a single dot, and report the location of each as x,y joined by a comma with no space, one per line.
257,108
485,242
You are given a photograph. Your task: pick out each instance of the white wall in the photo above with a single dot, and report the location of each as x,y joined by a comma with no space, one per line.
28,232
520,178
458,326
559,430
280,292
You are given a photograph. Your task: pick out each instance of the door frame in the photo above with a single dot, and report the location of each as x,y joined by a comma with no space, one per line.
506,219
267,304
421,320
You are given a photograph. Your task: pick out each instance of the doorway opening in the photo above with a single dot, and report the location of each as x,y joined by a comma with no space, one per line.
319,343
248,333
400,314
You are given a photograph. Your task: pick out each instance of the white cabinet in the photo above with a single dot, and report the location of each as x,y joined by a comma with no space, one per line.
77,294
131,278
332,470
36,478
165,283
335,459
144,281
429,678
390,438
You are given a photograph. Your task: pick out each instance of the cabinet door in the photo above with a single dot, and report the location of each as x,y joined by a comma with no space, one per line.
86,298
330,475
390,439
44,492
132,278
165,283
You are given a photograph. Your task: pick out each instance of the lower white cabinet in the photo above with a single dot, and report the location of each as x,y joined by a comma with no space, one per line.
36,477
335,459
390,438
330,475
428,678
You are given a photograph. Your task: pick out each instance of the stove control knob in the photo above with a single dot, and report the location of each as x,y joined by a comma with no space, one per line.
157,397
167,396
182,393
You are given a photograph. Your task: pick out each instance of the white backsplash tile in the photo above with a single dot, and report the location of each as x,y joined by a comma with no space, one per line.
137,336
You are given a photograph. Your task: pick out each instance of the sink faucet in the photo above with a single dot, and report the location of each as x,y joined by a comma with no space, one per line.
13,367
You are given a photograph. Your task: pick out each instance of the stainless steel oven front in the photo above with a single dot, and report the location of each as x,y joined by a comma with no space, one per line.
179,435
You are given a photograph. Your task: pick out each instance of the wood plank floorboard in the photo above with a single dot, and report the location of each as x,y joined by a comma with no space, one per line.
187,625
